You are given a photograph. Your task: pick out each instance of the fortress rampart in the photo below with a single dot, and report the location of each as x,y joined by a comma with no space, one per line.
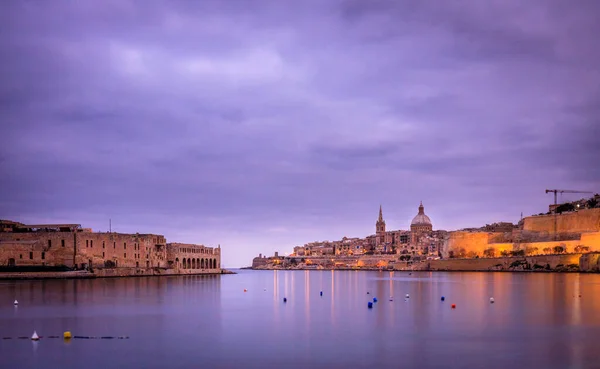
104,253
585,220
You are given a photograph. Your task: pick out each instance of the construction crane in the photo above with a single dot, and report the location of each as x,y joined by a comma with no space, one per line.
556,192
564,191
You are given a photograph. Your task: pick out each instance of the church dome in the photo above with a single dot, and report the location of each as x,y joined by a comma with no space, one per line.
421,218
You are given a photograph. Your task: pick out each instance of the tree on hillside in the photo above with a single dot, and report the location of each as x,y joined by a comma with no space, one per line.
489,253
565,207
592,203
531,250
471,254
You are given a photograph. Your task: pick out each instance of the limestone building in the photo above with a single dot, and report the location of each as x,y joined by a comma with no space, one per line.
71,246
419,240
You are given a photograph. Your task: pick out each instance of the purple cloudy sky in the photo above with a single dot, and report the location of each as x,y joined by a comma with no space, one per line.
261,125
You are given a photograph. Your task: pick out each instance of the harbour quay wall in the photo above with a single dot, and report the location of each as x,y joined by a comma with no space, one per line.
589,262
103,273
144,272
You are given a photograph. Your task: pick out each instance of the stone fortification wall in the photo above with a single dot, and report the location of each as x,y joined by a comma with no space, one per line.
532,263
585,220
592,240
121,250
259,262
108,251
479,243
590,262
469,241
47,248
530,236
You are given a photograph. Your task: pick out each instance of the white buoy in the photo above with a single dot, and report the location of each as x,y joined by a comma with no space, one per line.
35,336
491,300
16,302
407,296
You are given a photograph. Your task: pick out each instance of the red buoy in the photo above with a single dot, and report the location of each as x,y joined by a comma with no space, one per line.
453,306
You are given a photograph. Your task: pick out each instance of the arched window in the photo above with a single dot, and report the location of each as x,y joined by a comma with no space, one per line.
183,264
214,263
176,262
202,263
193,263
198,263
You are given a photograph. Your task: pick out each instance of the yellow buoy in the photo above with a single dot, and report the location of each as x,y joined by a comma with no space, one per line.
67,335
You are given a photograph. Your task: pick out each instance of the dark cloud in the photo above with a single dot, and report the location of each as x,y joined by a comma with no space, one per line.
261,125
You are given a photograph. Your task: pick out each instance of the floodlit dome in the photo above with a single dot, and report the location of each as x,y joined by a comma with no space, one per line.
421,218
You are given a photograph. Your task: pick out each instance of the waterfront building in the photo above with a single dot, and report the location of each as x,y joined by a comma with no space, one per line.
71,246
419,240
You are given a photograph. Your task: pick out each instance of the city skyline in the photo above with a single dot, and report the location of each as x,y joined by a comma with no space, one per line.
265,127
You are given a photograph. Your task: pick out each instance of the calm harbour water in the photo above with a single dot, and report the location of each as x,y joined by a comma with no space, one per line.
537,321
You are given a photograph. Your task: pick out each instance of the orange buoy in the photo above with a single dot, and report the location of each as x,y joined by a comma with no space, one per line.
245,290
453,306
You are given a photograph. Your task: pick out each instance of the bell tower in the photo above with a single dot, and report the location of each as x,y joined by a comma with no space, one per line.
380,228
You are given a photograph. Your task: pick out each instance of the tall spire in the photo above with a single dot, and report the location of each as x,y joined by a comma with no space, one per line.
421,208
380,215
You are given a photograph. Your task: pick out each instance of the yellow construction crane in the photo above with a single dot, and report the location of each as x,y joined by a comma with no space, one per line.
556,192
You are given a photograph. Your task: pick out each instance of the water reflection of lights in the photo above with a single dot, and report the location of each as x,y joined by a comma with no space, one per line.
275,284
307,296
276,295
331,294
576,313
291,286
392,316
